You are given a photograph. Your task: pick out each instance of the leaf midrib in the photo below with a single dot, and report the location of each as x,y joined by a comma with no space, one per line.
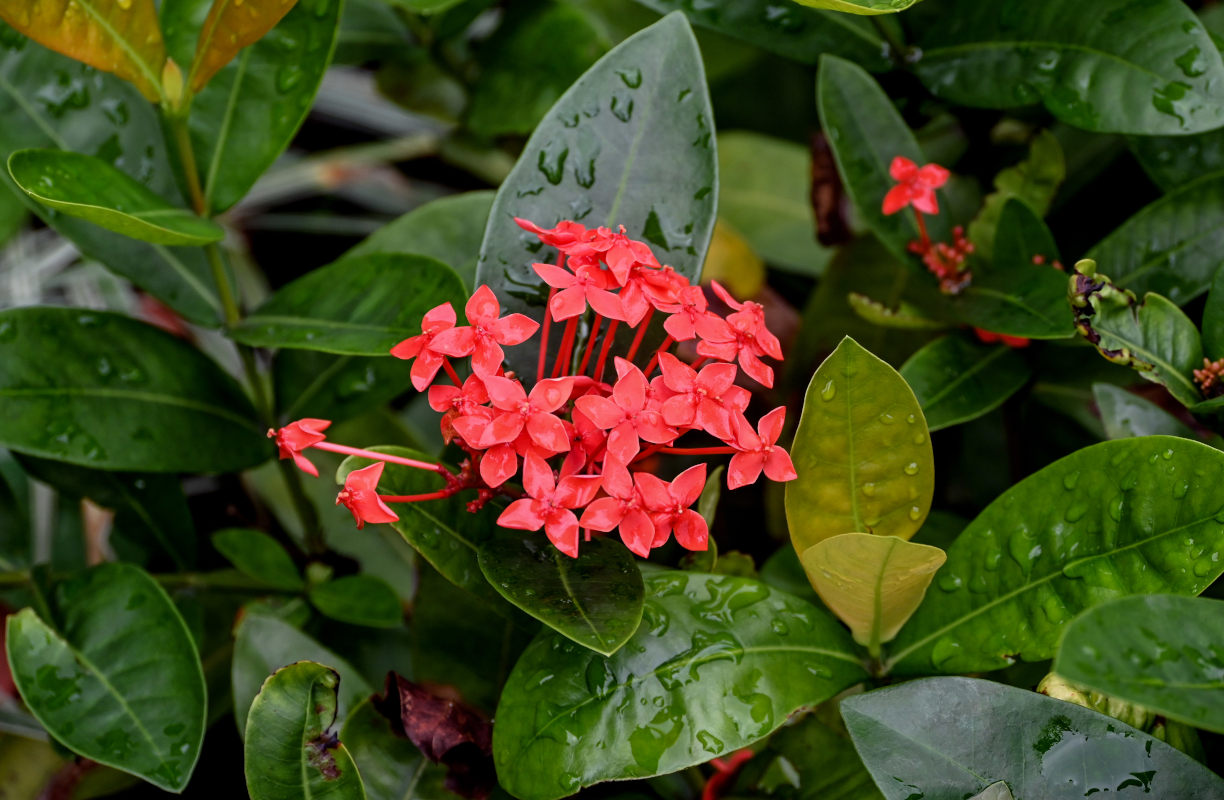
136,396
964,375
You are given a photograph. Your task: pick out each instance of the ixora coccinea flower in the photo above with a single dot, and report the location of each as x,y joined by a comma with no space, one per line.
577,436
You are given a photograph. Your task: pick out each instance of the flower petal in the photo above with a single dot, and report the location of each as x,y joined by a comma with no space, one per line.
687,486
498,465
562,530
482,307
521,515
514,329
538,477
691,531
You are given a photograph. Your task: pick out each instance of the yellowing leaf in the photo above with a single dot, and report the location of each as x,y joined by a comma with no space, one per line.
862,7
872,583
732,262
232,25
119,36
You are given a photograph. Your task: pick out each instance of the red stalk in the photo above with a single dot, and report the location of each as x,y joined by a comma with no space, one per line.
609,336
590,345
416,498
647,453
926,240
552,291
637,339
356,451
701,360
698,451
566,353
663,348
451,372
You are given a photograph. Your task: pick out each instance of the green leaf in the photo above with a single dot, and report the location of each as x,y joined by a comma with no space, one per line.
257,555
1126,414
765,194
807,761
630,143
1033,181
360,306
862,453
290,749
108,392
1129,516
1174,161
14,528
594,599
326,386
263,644
1171,247
1154,337
115,676
250,110
1012,295
954,737
791,31
448,229
905,317
1119,66
1213,319
231,25
866,133
392,767
359,600
1158,651
89,188
718,663
861,7
956,380
995,791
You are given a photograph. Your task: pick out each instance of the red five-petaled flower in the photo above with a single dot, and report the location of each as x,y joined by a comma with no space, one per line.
699,395
549,504
360,496
589,284
622,507
295,437
758,451
626,414
482,340
428,359
917,186
668,504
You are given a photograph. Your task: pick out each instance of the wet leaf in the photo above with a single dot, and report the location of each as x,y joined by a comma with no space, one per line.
292,750
1125,414
872,583
995,791
230,26
862,453
1033,181
807,760
360,306
257,555
327,386
1129,516
862,7
956,380
955,737
594,599
905,316
718,663
1119,66
392,767
91,189
115,676
1158,651
119,36
1213,319
1174,161
359,600
105,391
630,143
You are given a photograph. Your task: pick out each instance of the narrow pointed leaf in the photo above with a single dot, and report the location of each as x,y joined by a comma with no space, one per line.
230,26
862,7
1125,414
359,600
956,380
115,676
326,386
1129,516
862,453
257,555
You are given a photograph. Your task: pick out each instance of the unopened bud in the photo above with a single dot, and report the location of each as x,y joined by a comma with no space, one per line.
172,84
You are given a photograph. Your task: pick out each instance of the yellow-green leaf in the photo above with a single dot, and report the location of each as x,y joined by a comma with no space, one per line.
863,7
119,36
862,452
232,25
872,583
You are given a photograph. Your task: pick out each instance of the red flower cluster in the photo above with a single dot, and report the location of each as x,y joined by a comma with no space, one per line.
596,431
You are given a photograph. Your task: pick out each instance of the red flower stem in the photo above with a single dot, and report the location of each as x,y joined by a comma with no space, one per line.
416,498
590,345
355,451
552,292
608,337
566,353
451,372
663,348
926,240
641,332
701,360
698,451
647,453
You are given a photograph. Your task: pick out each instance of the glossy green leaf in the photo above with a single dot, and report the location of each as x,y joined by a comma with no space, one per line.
327,386
392,768
108,392
954,737
230,26
807,760
263,644
1173,246
115,676
90,188
866,133
1033,181
1174,161
1153,337
1011,294
995,791
718,663
257,555
861,7
290,750
1129,516
1213,319
361,306
765,190
359,600
594,599
1125,414
14,528
448,229
789,30
956,380
862,453
630,143
1117,66
1159,651
52,101
250,110
905,316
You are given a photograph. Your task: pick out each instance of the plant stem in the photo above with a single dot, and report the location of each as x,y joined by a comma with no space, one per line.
590,345
898,50
641,332
356,451
177,122
229,303
609,337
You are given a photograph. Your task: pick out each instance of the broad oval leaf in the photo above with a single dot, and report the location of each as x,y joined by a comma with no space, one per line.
327,386
862,453
359,600
630,143
257,555
108,392
1117,66
956,380
392,768
954,737
861,7
1174,161
1213,319
89,188
230,26
1129,516
291,750
361,306
872,583
115,676
718,663
594,599
1125,414
119,36
1159,651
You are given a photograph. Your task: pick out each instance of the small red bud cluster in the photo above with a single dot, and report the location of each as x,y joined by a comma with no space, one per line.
1211,377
